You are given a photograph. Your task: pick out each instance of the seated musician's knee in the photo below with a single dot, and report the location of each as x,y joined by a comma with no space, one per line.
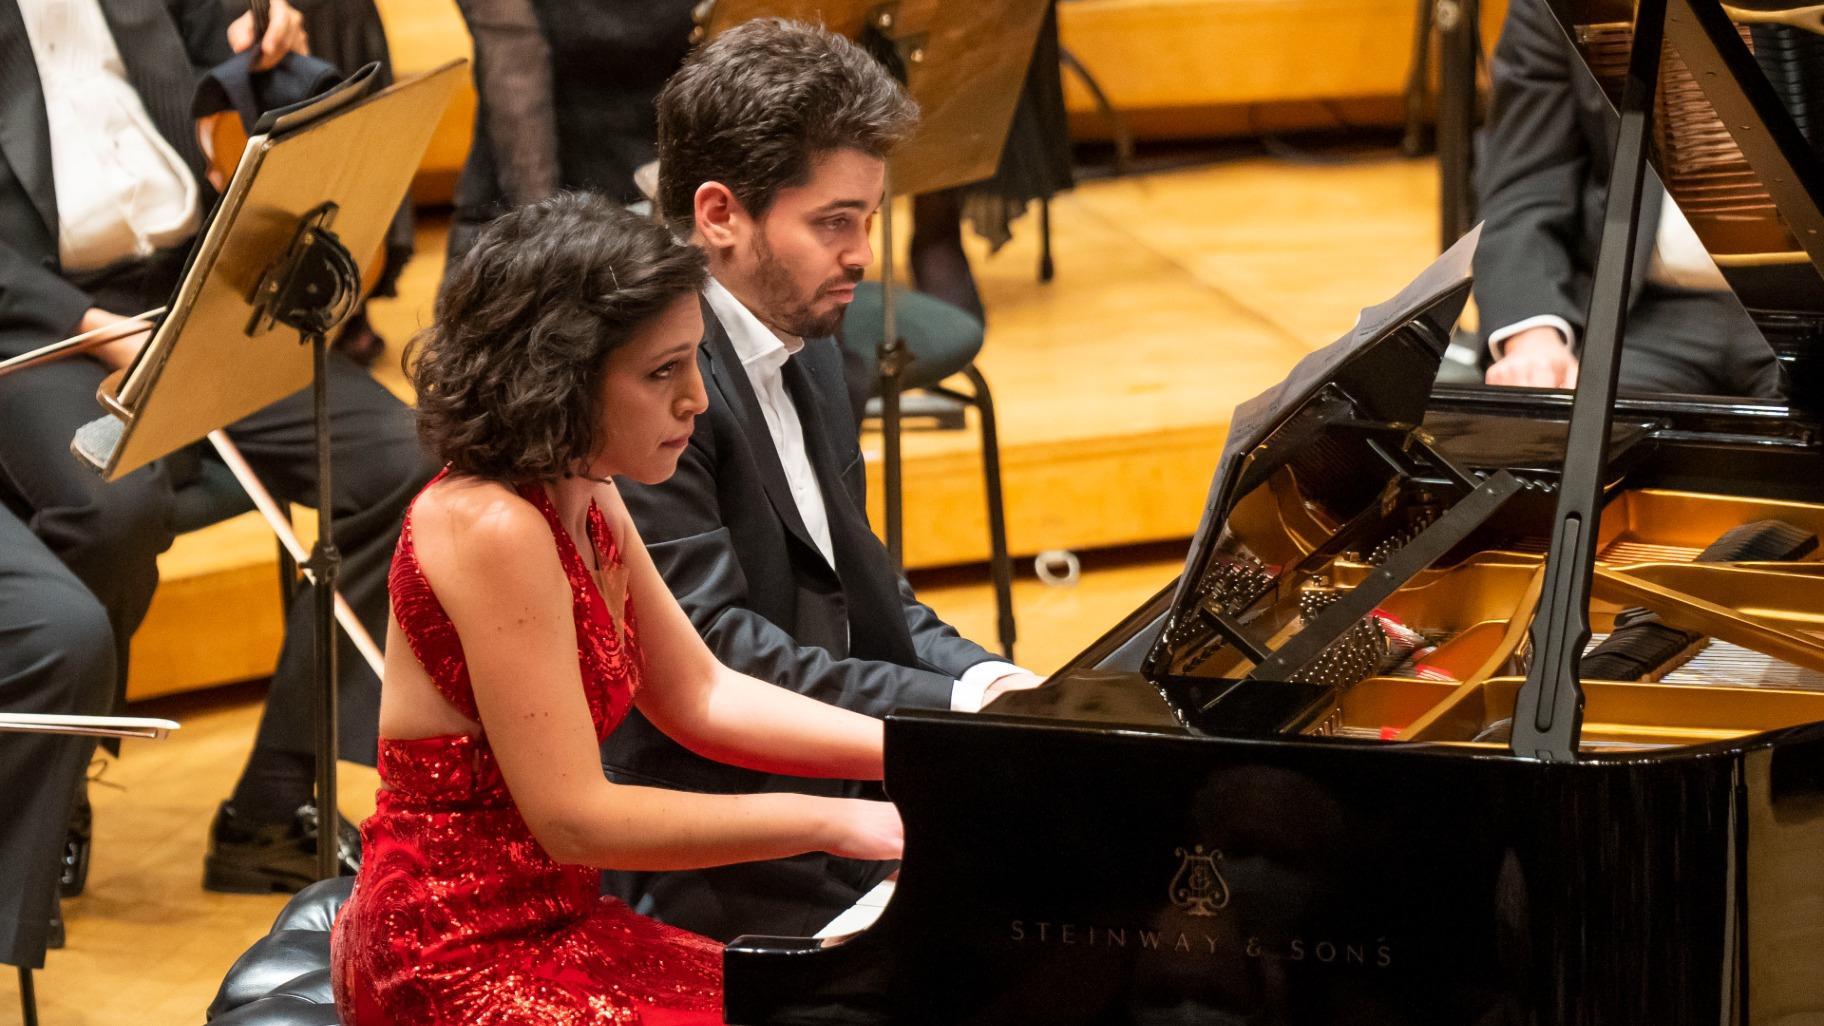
386,477
118,529
68,644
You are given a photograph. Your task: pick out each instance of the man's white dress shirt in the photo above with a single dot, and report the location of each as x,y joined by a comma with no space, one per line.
122,191
763,354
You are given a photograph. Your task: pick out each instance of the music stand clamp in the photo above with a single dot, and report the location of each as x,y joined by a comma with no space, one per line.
312,287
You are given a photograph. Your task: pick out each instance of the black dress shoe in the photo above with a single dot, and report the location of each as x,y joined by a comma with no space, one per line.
264,858
73,867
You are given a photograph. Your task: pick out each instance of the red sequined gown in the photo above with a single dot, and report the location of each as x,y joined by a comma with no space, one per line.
458,915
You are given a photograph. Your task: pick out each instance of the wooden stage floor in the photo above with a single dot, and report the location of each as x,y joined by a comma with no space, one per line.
1178,296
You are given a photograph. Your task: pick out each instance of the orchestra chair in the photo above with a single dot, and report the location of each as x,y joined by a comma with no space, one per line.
941,342
283,979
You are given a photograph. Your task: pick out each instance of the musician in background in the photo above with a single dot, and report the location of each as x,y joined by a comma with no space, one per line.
1543,181
101,194
772,146
56,657
565,92
1035,164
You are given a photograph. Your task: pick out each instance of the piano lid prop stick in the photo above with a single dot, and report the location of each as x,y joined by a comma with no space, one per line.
281,526
77,344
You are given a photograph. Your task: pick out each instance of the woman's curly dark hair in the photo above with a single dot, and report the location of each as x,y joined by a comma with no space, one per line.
509,374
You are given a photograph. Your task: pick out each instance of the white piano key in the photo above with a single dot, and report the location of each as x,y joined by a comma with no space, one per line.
860,915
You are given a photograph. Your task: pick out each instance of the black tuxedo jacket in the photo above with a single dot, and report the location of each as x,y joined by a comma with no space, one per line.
729,541
1543,177
166,46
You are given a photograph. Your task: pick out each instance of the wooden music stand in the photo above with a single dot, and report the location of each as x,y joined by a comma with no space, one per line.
278,264
964,62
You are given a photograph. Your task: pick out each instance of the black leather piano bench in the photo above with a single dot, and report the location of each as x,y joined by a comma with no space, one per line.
283,980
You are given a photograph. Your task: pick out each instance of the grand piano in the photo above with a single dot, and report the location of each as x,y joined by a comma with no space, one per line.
1471,706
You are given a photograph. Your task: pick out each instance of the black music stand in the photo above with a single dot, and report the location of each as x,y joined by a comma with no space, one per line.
309,203
964,63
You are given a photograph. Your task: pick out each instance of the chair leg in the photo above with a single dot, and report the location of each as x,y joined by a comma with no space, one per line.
28,998
999,562
1047,270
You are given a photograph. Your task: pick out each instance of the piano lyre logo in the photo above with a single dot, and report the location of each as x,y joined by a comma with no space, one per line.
1198,887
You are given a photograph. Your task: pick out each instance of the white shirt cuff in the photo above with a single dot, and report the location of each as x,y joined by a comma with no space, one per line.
1497,338
966,695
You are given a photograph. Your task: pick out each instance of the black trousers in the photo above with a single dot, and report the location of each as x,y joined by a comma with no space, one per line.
1696,343
110,534
56,656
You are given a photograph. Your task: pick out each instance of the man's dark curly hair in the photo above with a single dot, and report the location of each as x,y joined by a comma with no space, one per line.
509,374
760,103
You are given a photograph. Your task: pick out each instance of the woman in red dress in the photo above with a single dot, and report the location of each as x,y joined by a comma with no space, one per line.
563,355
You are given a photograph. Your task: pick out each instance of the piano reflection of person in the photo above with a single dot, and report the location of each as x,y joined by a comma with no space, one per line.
1543,179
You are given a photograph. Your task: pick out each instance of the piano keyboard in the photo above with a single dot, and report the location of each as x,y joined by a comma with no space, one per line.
860,915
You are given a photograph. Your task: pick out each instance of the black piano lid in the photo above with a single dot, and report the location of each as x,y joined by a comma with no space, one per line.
1380,372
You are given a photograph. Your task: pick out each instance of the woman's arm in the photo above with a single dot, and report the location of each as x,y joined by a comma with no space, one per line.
728,716
489,557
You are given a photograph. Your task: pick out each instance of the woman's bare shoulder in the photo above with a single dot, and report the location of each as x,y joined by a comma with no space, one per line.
476,517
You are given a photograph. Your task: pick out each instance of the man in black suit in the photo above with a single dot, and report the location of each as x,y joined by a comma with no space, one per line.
56,657
1544,174
101,193
772,145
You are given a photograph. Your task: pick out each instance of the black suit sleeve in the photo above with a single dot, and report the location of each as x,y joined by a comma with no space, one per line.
938,644
1532,174
33,296
682,525
203,26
